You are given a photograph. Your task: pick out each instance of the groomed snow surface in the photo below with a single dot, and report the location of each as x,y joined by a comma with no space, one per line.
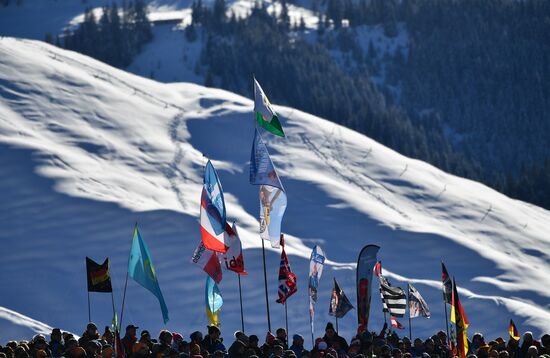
87,150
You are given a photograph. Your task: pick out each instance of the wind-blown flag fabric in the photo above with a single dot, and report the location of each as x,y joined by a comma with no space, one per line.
287,278
208,261
316,263
212,213
513,331
458,317
447,285
214,301
264,113
395,323
141,270
233,258
393,298
273,199
417,306
99,277
339,303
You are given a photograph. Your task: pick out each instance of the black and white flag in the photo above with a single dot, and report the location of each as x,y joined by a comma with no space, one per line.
417,306
394,299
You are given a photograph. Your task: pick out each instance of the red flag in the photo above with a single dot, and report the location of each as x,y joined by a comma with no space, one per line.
208,261
458,317
395,323
513,331
287,279
378,269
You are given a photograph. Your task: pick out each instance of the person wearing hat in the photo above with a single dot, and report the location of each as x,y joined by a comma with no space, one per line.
297,345
280,334
108,336
253,341
164,345
129,339
56,343
38,344
90,334
213,341
331,337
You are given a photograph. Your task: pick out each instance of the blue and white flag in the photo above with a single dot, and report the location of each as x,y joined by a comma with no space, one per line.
273,198
212,212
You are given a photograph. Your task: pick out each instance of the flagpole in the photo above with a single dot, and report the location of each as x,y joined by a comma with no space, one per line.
446,321
126,284
311,326
286,319
241,300
265,284
89,311
336,324
408,304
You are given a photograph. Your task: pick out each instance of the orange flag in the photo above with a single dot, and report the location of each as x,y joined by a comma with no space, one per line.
513,331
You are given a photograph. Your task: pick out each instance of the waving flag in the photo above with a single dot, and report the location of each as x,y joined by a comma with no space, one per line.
417,306
395,323
458,317
208,261
447,285
141,269
513,331
99,278
265,115
233,258
273,198
287,279
214,301
213,219
339,303
316,263
378,269
394,299
365,265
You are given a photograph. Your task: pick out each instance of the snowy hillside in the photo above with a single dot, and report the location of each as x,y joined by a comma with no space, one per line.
88,150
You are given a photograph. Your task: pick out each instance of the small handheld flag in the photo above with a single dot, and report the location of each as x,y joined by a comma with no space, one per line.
513,331
395,323
265,115
141,270
99,277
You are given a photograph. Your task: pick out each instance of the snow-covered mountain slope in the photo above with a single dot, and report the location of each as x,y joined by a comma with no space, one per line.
87,150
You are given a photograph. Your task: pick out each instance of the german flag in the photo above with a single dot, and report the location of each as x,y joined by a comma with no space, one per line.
513,331
458,317
99,278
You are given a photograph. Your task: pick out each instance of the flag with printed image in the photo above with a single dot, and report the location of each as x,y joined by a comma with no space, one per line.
365,267
264,113
417,305
316,264
141,270
513,331
287,278
212,211
339,303
99,277
273,199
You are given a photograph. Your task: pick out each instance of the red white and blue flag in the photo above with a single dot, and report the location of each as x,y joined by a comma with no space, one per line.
213,221
287,278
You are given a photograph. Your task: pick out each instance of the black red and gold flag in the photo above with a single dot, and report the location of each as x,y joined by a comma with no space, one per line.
99,277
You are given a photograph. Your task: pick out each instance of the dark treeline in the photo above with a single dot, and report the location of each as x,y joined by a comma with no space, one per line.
116,37
305,76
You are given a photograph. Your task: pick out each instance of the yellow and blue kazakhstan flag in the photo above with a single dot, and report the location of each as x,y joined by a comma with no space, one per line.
214,301
141,269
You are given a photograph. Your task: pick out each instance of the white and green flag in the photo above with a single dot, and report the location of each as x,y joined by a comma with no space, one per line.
265,115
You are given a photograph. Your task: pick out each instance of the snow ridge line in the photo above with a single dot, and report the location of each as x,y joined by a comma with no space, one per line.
309,144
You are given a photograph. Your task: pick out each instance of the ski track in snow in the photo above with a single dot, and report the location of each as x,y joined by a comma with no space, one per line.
108,148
